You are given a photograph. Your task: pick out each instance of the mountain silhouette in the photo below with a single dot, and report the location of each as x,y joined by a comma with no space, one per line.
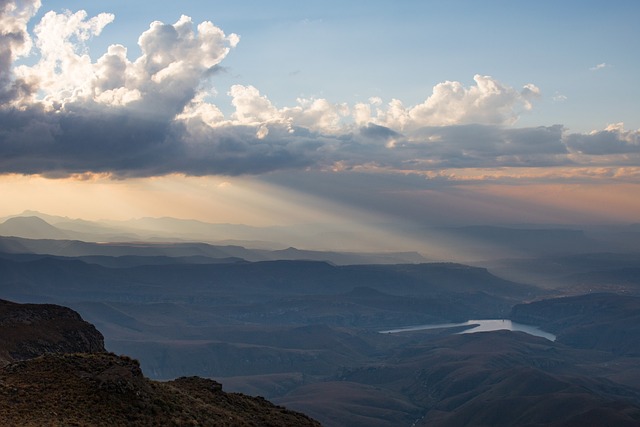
31,227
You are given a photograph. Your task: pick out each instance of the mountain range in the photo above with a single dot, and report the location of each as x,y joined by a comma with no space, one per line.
463,244
22,231
302,327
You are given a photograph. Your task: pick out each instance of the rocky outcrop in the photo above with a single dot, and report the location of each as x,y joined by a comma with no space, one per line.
57,372
30,330
103,389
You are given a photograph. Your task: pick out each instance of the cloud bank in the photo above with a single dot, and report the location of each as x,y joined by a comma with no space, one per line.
153,115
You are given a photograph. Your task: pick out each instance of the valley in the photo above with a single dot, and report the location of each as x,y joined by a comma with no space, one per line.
305,333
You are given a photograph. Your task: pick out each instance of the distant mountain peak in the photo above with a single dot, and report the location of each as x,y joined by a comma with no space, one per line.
30,227
29,212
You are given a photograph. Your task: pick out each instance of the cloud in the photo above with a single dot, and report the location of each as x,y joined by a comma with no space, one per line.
175,60
488,102
153,115
612,140
475,146
450,103
252,107
600,66
558,97
15,42
127,143
435,148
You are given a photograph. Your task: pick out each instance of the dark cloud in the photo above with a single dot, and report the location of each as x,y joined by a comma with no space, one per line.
374,131
126,142
476,146
613,140
237,150
35,142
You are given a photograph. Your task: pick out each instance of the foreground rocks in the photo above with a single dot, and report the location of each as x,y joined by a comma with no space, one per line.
57,372
104,389
29,330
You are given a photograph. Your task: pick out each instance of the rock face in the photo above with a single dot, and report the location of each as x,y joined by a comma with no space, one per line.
30,330
56,371
103,389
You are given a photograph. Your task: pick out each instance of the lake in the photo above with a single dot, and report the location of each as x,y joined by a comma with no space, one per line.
483,325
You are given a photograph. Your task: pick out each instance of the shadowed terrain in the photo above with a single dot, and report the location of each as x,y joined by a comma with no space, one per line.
606,322
493,378
56,371
305,333
108,390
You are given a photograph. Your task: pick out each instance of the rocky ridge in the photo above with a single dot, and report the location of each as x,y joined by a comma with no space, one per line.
57,372
30,330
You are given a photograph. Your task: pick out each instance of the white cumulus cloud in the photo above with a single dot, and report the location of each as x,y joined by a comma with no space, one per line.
487,102
175,59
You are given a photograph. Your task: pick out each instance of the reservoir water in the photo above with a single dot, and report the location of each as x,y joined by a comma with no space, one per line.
483,325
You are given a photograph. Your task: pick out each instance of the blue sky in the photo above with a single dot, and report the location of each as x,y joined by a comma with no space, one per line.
350,51
431,111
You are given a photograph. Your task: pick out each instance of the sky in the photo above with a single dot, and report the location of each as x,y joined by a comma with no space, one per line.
275,113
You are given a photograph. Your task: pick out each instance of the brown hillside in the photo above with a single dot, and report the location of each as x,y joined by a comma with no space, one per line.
107,390
56,372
